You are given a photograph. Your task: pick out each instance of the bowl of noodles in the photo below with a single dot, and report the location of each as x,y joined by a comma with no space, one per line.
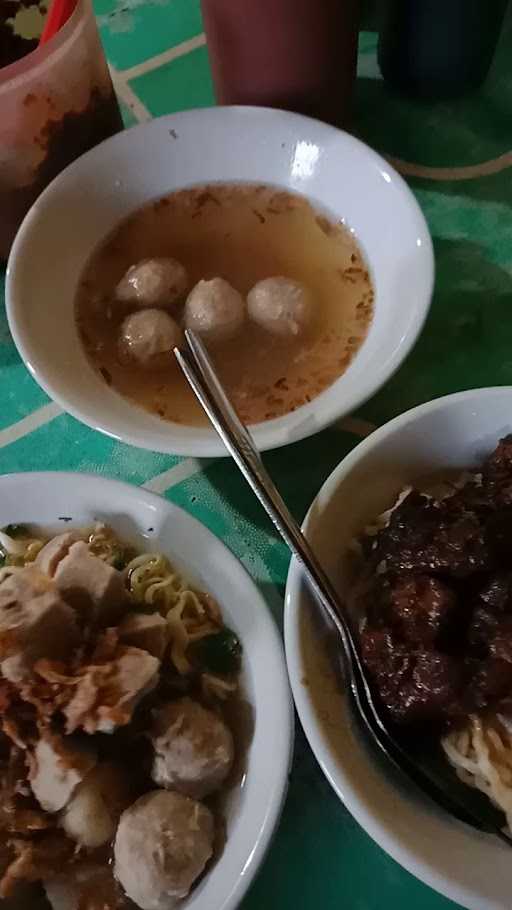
135,661
413,527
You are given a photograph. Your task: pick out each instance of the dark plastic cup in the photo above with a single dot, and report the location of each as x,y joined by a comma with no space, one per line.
436,49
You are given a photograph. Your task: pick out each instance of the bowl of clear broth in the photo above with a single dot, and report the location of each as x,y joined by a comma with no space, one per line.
297,252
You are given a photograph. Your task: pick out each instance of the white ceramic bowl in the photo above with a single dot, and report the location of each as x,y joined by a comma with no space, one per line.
253,808
87,200
453,432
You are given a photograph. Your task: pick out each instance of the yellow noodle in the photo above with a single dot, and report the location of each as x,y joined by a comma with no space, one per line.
482,756
154,583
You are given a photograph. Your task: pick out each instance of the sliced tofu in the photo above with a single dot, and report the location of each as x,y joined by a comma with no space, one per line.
48,559
35,622
147,631
59,764
107,694
90,585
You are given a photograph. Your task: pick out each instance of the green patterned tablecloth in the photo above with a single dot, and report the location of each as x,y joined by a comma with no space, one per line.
458,160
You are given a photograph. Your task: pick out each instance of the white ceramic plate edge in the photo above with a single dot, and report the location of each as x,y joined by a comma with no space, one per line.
271,434
379,831
97,491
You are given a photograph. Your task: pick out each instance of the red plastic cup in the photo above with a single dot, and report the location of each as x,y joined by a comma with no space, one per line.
56,103
299,55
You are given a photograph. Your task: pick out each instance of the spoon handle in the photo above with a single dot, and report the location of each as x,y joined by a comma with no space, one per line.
202,377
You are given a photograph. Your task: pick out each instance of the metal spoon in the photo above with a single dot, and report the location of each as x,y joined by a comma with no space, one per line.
200,373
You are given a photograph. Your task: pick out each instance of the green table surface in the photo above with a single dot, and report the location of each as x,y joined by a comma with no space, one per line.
457,159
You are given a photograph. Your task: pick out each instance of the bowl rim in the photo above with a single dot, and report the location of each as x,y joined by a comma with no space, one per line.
118,491
271,434
378,829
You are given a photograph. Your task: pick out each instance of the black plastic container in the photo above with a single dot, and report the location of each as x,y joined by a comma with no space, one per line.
438,48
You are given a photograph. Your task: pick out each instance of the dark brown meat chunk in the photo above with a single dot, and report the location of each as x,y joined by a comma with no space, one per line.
490,681
496,592
414,685
483,627
490,634
438,640
501,645
491,489
422,607
497,468
426,536
498,529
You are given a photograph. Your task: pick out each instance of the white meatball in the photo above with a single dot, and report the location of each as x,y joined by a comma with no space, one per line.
280,305
193,748
91,815
153,282
163,843
214,310
148,338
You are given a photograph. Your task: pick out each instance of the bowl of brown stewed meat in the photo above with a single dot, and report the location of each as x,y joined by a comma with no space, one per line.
415,527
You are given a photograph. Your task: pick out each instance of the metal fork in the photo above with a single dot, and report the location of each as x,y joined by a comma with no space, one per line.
200,373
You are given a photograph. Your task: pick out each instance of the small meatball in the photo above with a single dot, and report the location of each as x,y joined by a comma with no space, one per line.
163,843
214,310
282,306
91,815
193,748
148,338
59,764
153,282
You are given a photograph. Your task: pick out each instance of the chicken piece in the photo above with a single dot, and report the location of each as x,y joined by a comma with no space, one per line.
214,310
90,886
163,843
58,766
281,305
153,282
106,695
34,622
193,748
148,339
90,817
147,631
54,551
90,585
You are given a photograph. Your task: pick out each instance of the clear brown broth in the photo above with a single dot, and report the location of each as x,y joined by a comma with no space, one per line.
243,233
